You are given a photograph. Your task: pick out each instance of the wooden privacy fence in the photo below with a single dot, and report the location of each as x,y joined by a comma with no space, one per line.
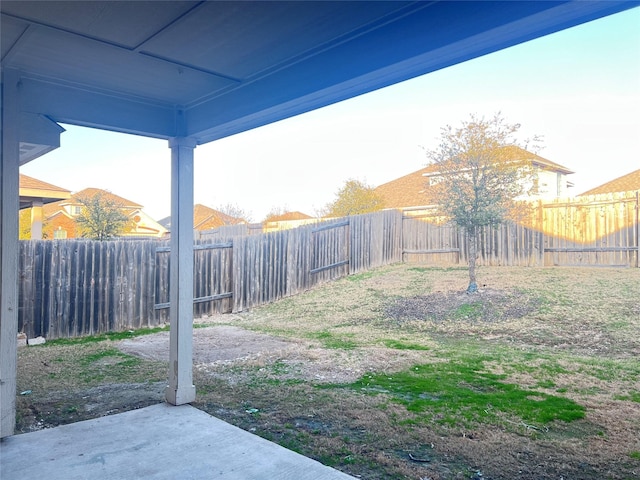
69,288
76,287
507,244
600,230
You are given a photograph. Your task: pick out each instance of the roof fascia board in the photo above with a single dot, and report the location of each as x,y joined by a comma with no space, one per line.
42,193
89,108
39,129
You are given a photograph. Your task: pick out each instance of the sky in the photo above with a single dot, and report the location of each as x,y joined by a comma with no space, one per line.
579,89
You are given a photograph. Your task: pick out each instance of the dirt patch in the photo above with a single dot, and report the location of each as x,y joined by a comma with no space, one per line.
216,348
210,345
64,406
484,306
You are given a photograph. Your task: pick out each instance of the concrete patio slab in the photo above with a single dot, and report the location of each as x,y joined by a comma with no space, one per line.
156,442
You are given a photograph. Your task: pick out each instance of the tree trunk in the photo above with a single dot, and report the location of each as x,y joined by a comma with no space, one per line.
472,238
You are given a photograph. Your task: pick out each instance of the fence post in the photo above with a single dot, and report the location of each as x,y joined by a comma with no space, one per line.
638,229
349,245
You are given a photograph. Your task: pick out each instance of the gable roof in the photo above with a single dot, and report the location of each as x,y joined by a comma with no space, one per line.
625,183
31,183
411,189
206,218
288,216
31,189
91,192
406,191
539,161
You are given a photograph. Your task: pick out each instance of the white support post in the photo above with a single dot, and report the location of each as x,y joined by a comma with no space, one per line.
181,389
36,220
9,206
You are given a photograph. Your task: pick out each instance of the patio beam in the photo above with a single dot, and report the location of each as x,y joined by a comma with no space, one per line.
9,204
98,109
181,389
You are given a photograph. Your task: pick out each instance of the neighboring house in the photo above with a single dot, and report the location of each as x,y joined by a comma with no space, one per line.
290,216
34,194
410,191
61,216
206,218
287,221
626,183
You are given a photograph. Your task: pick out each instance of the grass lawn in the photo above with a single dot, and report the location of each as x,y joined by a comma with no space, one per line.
397,373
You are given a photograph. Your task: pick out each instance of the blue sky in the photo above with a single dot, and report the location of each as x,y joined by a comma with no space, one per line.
579,89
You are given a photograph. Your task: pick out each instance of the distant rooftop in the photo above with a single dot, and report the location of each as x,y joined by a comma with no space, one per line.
32,189
625,183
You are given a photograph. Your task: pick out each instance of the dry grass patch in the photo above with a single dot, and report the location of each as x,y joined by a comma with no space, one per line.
537,377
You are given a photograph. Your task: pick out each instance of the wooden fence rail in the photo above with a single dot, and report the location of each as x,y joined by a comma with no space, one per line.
71,288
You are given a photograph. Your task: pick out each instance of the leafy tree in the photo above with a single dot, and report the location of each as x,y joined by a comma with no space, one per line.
24,228
482,171
101,218
353,198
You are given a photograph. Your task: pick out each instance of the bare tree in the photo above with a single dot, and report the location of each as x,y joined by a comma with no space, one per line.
234,210
353,198
101,218
481,173
276,211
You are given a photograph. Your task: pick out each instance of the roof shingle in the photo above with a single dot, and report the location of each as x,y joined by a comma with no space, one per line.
289,216
27,182
625,183
206,218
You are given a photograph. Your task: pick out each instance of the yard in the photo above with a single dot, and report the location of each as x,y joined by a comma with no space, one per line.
396,373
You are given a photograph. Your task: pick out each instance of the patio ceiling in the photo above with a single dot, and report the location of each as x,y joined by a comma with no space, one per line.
207,70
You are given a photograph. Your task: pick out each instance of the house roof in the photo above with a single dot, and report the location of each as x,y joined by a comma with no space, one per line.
31,189
626,183
27,182
288,216
57,207
206,218
410,190
406,191
539,161
91,192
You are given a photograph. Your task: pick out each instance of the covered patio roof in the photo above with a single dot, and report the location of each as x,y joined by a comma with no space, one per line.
33,190
196,71
207,70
